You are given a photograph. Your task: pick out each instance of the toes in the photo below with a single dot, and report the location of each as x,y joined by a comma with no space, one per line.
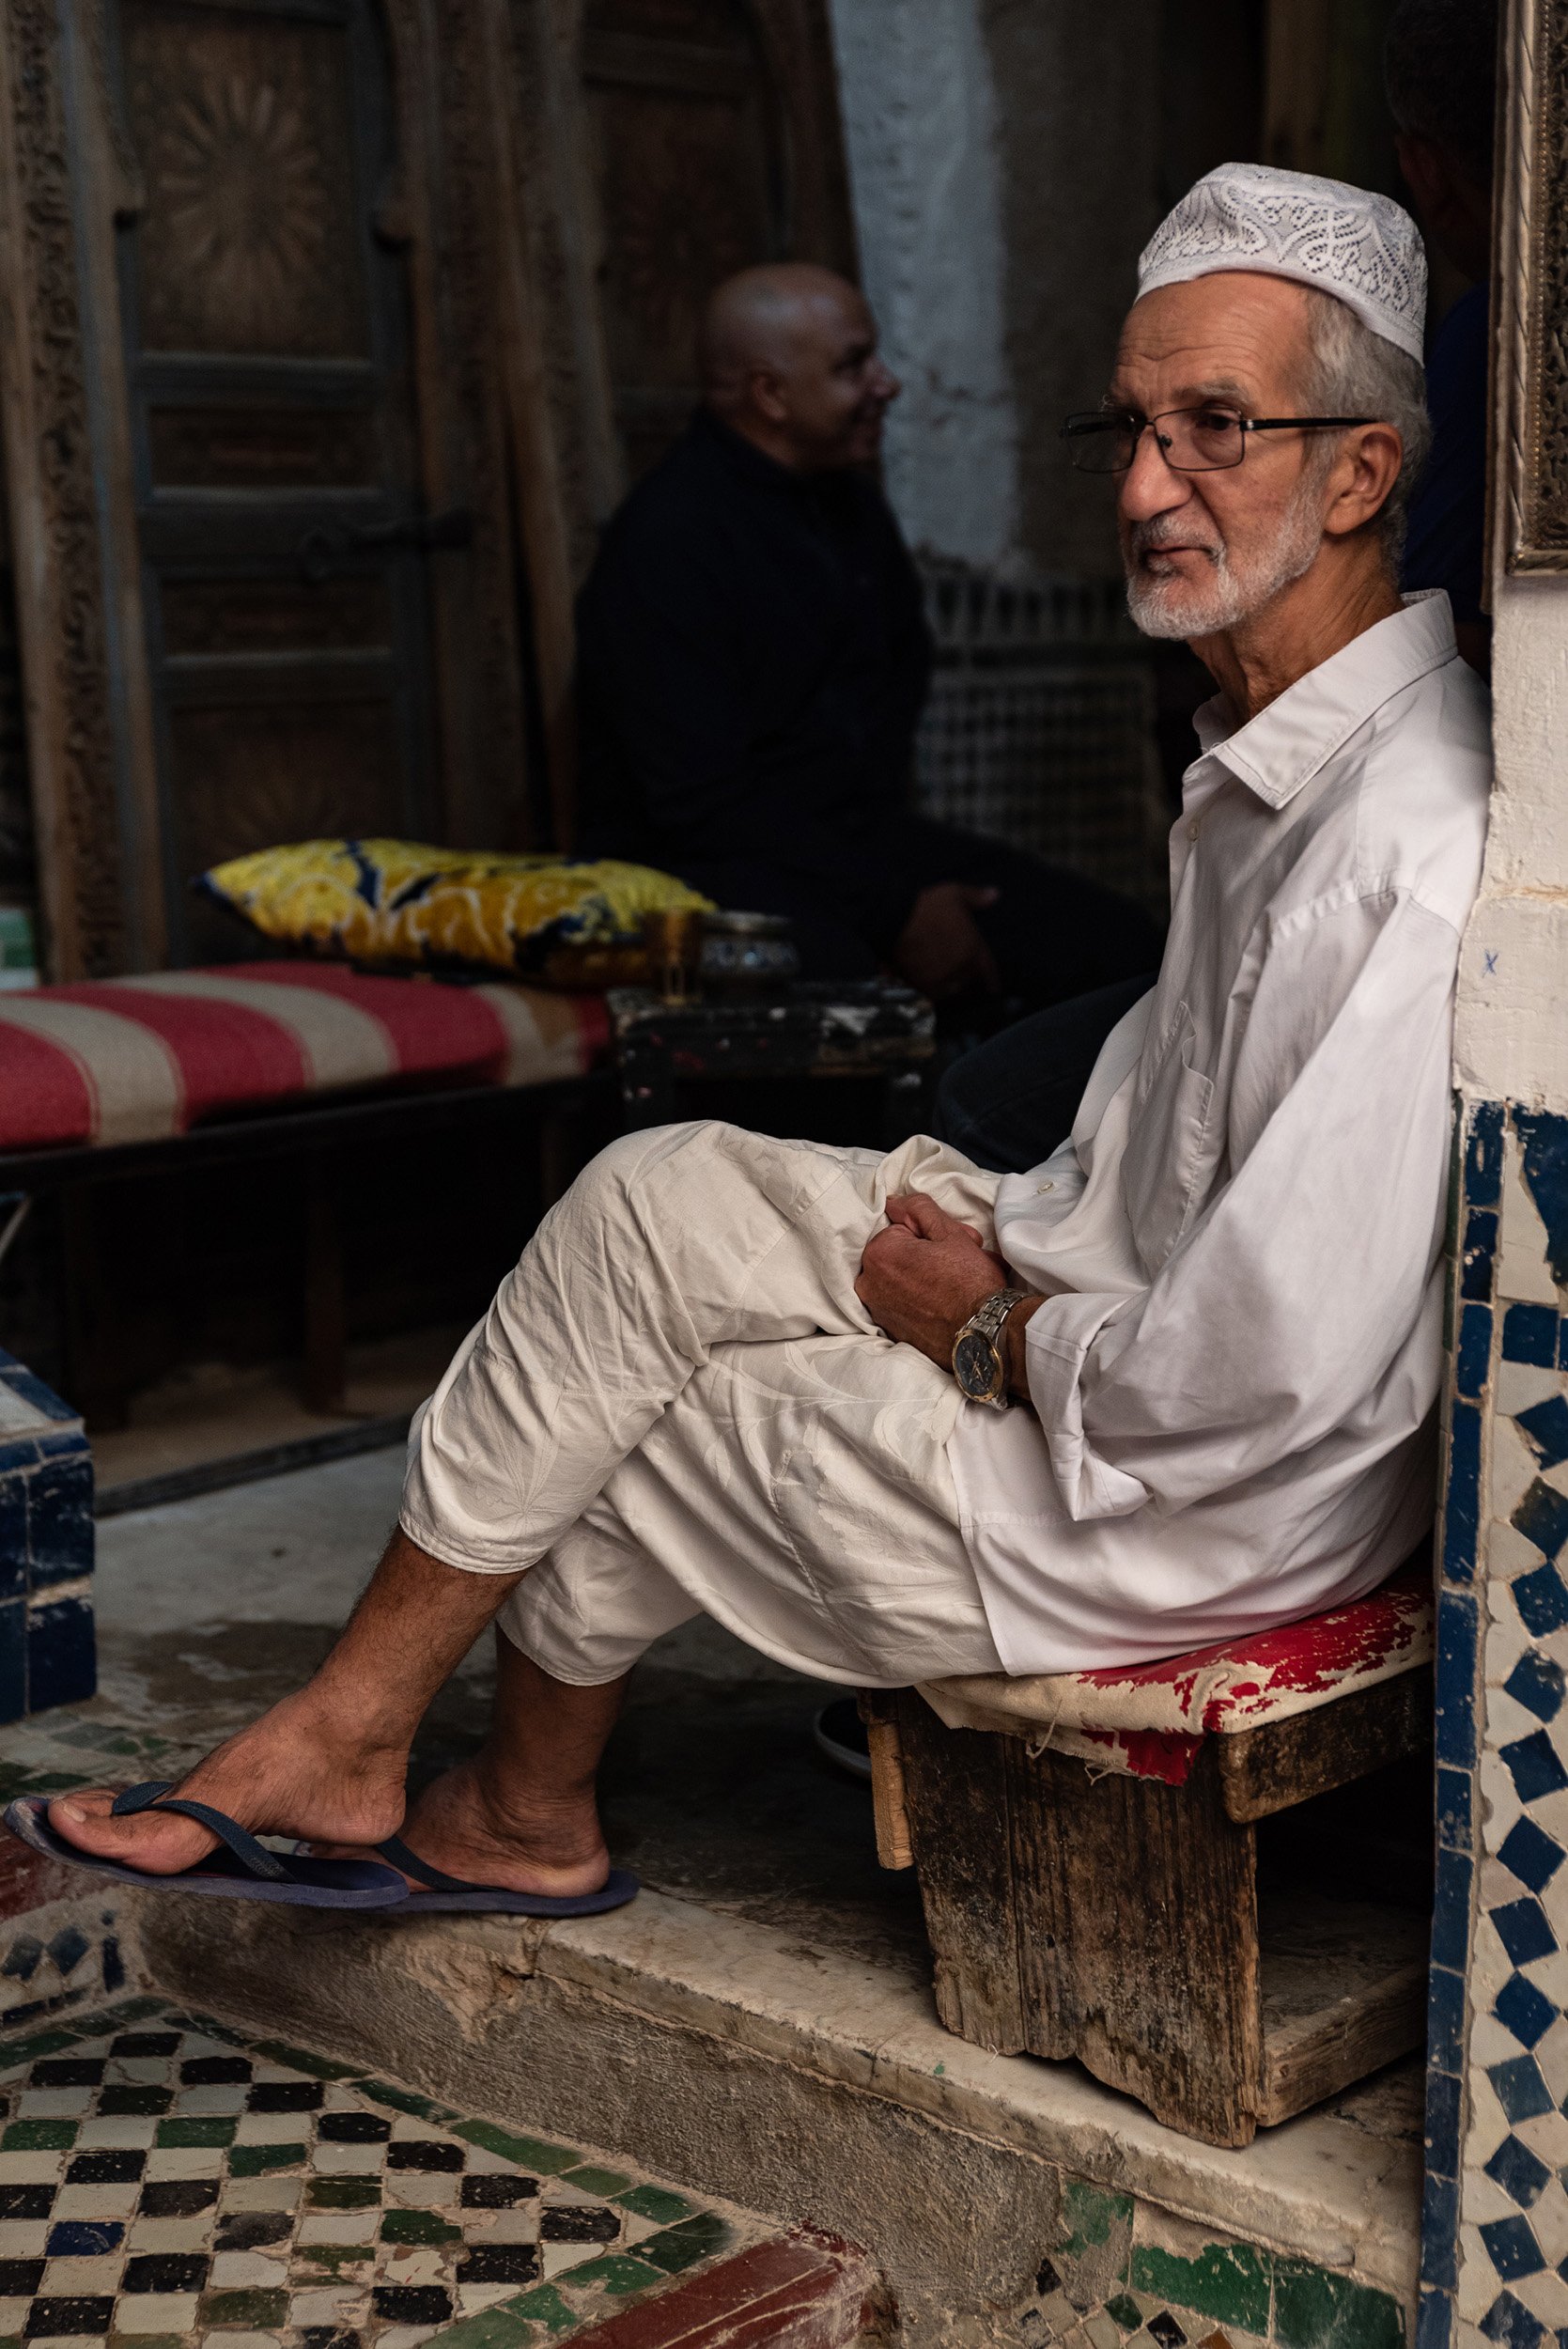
163,1845
83,1802
83,1817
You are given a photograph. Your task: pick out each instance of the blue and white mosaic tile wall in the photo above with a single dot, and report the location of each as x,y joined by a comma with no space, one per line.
47,1653
1494,2243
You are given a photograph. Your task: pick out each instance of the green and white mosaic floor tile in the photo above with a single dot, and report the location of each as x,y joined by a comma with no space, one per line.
69,1958
1125,2276
81,1745
166,2181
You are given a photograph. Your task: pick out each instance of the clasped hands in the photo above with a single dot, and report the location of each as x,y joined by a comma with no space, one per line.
921,1278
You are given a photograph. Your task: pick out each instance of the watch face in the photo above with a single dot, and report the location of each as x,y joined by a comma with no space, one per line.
977,1367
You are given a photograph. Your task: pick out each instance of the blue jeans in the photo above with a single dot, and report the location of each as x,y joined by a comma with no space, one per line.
1009,1103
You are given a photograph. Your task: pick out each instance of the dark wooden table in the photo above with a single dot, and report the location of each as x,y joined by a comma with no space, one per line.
851,1028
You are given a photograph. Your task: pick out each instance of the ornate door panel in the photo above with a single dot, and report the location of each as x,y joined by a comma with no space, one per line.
714,142
284,539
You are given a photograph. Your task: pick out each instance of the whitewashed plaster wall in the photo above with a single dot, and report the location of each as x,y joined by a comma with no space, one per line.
1513,1028
919,119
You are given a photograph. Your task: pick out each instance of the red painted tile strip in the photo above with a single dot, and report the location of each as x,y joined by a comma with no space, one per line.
801,2291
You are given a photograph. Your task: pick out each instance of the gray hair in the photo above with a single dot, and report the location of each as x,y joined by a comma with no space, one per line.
1353,372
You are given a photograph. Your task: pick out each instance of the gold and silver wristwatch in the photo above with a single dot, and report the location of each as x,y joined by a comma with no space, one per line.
979,1364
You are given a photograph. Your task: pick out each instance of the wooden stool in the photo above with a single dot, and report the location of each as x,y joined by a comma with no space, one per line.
1087,1850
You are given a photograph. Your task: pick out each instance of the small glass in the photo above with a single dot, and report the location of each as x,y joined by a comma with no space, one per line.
748,954
674,946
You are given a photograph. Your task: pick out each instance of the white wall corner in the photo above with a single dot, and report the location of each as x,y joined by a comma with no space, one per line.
919,123
1511,1030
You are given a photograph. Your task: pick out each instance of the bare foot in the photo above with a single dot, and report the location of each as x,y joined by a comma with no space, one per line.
474,1822
293,1772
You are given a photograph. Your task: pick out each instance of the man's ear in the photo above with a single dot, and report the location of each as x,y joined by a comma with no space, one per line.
1363,476
766,394
1426,171
1455,206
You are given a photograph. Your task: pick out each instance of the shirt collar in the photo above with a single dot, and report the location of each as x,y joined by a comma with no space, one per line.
746,458
1279,750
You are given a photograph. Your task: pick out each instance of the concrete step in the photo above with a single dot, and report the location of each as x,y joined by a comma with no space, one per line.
1002,2198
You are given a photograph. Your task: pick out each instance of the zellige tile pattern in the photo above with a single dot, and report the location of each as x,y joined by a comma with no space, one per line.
1122,2275
164,2180
1494,2233
70,1957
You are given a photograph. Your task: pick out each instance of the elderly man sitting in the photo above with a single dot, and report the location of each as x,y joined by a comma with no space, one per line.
768,1380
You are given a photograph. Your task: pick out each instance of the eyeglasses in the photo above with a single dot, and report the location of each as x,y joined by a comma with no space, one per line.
1191,439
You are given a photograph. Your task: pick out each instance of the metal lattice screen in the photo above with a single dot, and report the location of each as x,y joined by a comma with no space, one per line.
1040,725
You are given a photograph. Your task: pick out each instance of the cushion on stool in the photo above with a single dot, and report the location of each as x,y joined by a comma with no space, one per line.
1148,1721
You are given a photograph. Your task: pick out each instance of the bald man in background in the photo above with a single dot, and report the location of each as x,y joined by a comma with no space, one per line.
753,657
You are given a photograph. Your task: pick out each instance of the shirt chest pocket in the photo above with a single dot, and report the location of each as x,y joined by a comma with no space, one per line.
1165,1146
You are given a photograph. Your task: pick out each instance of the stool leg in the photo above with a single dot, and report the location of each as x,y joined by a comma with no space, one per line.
879,1714
1114,1918
647,1074
98,1379
955,1803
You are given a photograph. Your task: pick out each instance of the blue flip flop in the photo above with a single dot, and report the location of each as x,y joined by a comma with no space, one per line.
451,1893
260,1875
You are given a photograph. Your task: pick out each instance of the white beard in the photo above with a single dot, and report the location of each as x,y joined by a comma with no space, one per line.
1178,607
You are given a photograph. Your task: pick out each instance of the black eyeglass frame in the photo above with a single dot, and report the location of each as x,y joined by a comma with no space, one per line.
1100,419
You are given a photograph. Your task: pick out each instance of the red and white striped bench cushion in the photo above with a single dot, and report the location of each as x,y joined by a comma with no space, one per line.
1148,1721
139,1059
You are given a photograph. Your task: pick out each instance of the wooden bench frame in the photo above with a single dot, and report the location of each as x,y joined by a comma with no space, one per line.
311,1132
856,1029
1219,2022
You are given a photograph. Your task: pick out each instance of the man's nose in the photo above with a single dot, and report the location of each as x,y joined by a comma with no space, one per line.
885,385
1149,486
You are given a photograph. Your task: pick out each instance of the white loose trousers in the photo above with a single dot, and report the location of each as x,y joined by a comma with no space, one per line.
677,1405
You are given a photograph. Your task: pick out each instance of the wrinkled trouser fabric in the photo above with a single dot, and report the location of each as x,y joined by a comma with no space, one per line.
677,1405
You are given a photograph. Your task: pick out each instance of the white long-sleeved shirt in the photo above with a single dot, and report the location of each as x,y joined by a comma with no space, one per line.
1236,1364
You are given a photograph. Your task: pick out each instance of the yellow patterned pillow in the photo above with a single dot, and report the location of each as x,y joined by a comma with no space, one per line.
551,919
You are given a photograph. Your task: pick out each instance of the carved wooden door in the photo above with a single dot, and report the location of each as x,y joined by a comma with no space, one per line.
714,142
284,536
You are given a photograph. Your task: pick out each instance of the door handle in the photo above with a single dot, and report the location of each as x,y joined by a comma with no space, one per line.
326,545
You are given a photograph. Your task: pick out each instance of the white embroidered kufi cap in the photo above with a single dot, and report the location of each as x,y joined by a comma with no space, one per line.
1362,248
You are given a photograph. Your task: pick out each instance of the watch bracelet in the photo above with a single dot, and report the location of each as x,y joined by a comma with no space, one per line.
987,1321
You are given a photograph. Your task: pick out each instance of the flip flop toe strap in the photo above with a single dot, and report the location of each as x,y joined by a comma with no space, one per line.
394,1849
253,1856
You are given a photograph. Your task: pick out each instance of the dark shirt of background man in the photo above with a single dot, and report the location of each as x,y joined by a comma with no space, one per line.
1439,68
751,660
752,656
1444,545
